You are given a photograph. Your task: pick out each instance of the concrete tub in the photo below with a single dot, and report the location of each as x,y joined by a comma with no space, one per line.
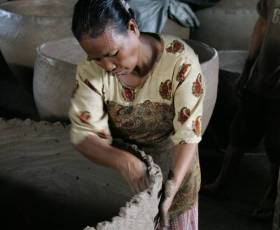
26,24
227,25
48,185
54,77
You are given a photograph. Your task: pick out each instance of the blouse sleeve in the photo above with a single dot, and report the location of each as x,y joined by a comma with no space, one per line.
87,113
188,100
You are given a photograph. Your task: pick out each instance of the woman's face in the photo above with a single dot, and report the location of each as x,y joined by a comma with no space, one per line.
114,52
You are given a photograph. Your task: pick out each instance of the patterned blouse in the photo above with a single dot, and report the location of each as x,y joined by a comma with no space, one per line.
165,110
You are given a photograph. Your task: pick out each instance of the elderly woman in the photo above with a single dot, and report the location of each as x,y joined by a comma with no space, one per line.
145,89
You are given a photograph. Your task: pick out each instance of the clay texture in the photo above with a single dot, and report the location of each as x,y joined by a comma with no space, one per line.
39,155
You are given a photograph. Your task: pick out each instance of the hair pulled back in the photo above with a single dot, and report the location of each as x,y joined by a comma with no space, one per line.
92,16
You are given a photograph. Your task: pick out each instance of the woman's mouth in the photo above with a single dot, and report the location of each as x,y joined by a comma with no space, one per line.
120,72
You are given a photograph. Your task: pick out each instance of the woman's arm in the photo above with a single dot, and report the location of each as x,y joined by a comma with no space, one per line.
188,98
131,168
183,158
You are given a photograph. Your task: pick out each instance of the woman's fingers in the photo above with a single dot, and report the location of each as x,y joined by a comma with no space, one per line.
138,178
141,183
135,173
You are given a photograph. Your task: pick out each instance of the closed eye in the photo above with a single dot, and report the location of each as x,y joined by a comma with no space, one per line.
94,59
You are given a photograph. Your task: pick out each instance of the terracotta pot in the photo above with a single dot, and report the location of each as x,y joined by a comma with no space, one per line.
227,25
54,77
26,24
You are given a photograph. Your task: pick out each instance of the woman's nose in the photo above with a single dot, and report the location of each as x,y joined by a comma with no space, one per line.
108,66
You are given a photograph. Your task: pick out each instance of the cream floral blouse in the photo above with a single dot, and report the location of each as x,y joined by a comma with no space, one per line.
168,105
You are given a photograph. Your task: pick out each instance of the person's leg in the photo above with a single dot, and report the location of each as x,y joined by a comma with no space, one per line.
246,132
272,147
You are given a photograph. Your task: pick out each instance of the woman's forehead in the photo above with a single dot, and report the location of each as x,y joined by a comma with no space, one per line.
104,43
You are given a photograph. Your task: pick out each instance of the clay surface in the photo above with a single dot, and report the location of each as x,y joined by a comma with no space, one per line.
38,155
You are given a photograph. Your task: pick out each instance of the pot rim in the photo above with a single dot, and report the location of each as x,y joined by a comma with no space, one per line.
40,53
14,14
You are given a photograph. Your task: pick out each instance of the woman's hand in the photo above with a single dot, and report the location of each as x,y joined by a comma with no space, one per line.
170,190
183,157
134,171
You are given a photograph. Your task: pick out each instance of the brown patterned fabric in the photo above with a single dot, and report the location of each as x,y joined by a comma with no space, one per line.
197,86
84,116
197,126
175,47
184,114
128,94
165,89
144,123
183,71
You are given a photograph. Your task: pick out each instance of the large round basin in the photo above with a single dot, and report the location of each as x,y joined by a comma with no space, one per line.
54,77
26,24
227,25
47,185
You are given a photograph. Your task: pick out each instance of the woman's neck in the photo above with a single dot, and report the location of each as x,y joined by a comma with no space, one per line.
149,52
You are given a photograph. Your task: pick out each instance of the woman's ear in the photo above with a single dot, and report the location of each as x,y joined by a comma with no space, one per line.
133,27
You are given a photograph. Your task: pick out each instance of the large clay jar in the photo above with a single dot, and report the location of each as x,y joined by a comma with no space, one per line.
26,24
227,25
54,77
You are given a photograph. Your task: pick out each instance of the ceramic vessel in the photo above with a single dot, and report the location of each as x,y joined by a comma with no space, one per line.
54,77
26,24
227,25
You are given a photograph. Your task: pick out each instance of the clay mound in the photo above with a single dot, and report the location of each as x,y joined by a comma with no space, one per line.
57,188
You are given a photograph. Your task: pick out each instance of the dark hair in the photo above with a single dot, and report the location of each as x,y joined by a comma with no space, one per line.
92,16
